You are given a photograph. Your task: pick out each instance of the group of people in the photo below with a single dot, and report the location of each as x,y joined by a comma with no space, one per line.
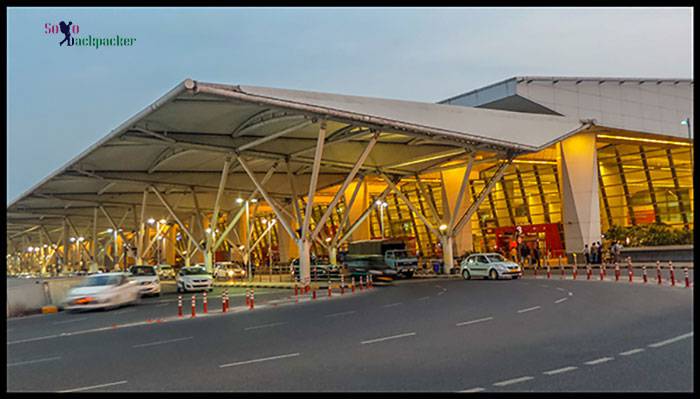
594,254
524,254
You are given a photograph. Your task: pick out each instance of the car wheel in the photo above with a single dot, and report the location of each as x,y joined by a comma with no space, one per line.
466,275
515,277
493,274
408,274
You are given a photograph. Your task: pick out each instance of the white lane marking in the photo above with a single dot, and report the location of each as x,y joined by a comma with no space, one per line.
544,286
529,309
464,323
94,387
513,381
440,293
70,321
392,304
477,389
48,359
423,298
167,341
571,294
31,339
264,326
341,313
631,352
560,289
670,341
561,370
264,359
561,300
125,311
371,341
599,361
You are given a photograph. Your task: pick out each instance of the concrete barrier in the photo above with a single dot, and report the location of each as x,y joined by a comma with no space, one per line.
27,296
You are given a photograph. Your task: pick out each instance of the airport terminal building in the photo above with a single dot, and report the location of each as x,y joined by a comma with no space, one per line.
563,159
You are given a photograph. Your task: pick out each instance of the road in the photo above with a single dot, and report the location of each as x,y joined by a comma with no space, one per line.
431,335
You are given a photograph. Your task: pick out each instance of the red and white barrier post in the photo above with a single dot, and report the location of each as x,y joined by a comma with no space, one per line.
369,281
687,279
330,291
617,272
561,267
630,272
179,306
588,272
194,305
252,298
361,284
353,285
658,272
575,271
342,285
313,293
204,303
644,274
673,277
247,297
549,272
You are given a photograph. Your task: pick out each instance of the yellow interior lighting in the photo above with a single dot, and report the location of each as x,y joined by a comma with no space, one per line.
531,161
655,141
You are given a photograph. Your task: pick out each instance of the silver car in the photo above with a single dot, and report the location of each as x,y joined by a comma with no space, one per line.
489,265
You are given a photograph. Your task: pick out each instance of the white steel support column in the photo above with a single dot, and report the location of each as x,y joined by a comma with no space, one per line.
177,219
305,239
209,254
142,229
93,263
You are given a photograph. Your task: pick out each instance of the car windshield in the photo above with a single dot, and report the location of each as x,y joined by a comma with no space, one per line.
143,271
97,280
189,271
495,258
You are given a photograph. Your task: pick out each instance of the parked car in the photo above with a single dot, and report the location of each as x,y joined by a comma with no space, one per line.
489,265
105,290
228,270
319,271
193,278
147,278
166,272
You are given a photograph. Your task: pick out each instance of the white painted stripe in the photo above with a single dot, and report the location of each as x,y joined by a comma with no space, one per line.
341,313
440,293
264,359
161,342
670,341
544,286
477,389
513,381
561,300
423,298
32,339
93,387
371,341
560,289
48,359
561,370
392,304
529,309
571,294
70,321
632,352
599,361
464,323
264,326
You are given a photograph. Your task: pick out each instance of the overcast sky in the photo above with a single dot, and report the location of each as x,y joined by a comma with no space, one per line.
62,100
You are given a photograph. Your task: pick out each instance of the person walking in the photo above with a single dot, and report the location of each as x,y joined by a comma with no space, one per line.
536,254
587,254
600,252
524,254
594,253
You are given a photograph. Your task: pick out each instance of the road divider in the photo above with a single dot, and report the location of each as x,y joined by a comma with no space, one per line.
513,381
561,370
179,306
599,361
529,309
631,352
466,323
194,304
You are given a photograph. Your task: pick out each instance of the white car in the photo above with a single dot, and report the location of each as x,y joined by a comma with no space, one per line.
166,272
193,278
489,265
147,278
105,290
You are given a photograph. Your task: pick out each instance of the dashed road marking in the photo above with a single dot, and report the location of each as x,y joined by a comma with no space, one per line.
561,300
631,352
48,359
464,323
341,313
477,389
529,309
571,294
561,370
513,381
70,321
560,289
544,286
371,341
264,326
392,304
264,359
168,341
423,298
670,341
94,387
599,361
21,341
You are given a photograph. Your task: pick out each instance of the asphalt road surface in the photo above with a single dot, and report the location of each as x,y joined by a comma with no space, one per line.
431,335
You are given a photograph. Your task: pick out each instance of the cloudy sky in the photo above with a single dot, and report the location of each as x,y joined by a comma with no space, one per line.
61,100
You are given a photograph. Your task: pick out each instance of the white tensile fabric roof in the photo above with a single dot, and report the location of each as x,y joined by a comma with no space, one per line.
179,144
